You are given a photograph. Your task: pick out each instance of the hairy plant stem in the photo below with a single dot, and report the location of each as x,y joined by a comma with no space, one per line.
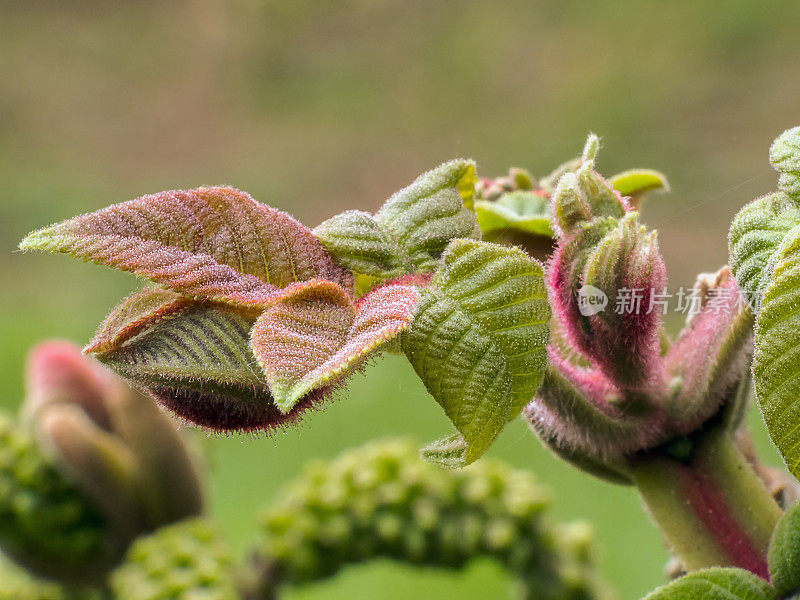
709,503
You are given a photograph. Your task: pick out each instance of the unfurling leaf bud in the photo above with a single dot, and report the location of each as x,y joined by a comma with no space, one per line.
381,501
96,463
614,387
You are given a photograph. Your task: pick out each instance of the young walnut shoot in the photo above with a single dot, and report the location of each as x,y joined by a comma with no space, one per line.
250,319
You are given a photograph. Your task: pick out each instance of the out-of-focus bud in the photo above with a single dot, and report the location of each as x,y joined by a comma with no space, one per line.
94,463
516,180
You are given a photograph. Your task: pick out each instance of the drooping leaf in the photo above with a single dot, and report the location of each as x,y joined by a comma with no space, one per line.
784,154
411,230
198,363
715,584
313,339
784,554
478,338
776,362
755,233
214,242
636,183
524,211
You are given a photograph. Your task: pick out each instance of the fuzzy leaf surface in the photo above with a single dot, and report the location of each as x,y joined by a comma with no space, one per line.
712,353
784,554
411,230
214,242
715,584
198,363
313,339
776,361
523,211
784,154
479,337
755,233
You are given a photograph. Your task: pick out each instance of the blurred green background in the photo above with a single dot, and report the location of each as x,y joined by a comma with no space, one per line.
314,107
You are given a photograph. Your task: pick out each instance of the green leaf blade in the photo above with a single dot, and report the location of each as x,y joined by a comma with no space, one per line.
528,212
411,230
637,182
784,554
479,336
755,234
776,363
715,584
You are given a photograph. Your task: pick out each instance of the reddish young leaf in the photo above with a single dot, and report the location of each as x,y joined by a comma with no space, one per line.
314,338
713,351
214,242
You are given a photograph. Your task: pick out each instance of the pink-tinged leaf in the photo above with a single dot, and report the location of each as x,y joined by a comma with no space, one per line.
199,365
569,422
712,353
214,242
314,338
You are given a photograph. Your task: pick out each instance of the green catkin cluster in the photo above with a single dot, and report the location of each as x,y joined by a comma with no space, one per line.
16,584
43,519
383,501
184,561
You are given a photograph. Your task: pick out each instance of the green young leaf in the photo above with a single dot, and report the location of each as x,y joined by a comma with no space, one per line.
314,338
715,584
784,554
523,211
636,182
776,363
411,230
214,242
756,232
784,154
479,336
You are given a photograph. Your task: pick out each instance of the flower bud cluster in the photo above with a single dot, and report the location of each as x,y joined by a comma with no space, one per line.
184,561
383,501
